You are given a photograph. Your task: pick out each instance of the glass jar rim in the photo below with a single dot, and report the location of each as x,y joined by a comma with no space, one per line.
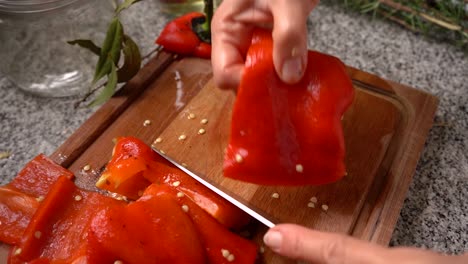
32,6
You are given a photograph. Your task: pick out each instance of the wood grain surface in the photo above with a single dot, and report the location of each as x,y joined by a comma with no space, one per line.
385,130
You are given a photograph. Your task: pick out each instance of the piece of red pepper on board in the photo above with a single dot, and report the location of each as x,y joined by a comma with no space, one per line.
179,36
20,198
123,174
221,245
288,134
134,165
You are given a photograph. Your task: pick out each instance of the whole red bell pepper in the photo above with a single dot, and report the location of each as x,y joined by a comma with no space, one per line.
288,134
180,37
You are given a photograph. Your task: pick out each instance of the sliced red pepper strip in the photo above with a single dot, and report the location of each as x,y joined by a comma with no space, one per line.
58,230
38,175
154,229
288,134
216,238
134,177
124,172
18,199
222,210
178,36
16,211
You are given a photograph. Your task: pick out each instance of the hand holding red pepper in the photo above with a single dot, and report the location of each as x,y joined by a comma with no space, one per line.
232,28
283,134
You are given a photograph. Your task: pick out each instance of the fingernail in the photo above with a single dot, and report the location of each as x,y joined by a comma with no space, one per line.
273,239
292,70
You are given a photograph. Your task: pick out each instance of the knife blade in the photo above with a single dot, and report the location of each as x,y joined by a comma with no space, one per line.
218,191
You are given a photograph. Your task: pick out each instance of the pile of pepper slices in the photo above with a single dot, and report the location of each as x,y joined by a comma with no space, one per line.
172,219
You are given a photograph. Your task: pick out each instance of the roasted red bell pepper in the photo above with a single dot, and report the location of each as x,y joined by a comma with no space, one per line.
19,199
221,245
288,134
124,172
58,231
134,165
178,36
73,225
16,211
154,229
38,176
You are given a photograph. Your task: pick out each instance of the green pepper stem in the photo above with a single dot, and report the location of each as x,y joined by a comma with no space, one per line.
209,15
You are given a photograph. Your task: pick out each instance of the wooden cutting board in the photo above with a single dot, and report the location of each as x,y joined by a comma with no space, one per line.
385,130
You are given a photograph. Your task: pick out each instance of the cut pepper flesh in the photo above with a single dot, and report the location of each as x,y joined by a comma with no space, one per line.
215,237
134,165
288,134
20,198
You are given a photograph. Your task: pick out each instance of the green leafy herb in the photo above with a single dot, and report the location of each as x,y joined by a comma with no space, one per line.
115,44
110,51
109,89
132,61
126,4
87,44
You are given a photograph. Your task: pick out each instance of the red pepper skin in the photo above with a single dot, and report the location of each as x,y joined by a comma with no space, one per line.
215,237
178,37
18,199
288,134
203,50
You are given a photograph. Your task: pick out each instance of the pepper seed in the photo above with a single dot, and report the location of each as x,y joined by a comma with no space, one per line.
87,167
299,168
239,158
147,122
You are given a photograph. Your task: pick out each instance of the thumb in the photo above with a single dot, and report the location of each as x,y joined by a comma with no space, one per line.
290,37
301,243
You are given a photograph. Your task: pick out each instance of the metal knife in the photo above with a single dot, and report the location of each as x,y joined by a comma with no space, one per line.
221,193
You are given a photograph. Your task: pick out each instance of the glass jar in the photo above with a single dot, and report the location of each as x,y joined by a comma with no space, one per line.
34,53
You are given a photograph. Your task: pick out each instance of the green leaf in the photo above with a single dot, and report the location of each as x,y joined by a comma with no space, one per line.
87,44
125,5
132,60
110,51
108,90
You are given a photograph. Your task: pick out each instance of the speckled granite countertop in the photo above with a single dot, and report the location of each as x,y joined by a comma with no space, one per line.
435,213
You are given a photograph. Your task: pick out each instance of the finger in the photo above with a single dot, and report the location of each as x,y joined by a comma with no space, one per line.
230,41
298,242
290,37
